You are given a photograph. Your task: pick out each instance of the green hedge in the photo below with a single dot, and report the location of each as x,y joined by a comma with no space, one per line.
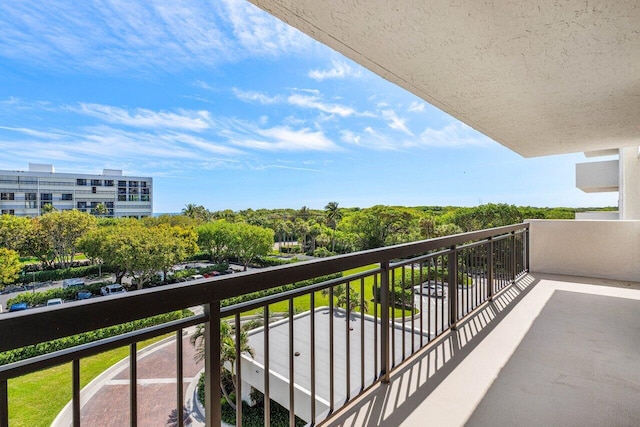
61,274
75,340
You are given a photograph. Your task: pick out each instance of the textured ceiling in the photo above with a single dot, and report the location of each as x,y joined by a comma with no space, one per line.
541,77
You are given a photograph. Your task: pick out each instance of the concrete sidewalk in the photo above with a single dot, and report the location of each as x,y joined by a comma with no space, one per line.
105,401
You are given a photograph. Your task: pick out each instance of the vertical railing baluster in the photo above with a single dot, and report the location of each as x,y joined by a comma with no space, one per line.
4,404
376,351
179,379
238,369
489,269
212,366
267,377
392,324
75,391
348,343
527,247
420,307
413,306
362,311
453,286
331,353
384,321
133,385
292,413
404,305
312,356
513,256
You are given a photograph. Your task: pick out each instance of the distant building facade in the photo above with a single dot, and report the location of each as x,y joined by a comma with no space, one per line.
27,193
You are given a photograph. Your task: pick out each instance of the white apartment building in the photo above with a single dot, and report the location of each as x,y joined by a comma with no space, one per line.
26,193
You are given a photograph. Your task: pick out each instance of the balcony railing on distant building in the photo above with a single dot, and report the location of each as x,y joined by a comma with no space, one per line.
314,362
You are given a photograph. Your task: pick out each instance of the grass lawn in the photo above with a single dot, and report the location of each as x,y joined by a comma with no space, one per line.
303,303
36,399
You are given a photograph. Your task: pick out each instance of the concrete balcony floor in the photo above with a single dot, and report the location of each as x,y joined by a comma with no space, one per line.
551,350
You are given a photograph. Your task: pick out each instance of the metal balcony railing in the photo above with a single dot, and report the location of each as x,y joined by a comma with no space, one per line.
314,362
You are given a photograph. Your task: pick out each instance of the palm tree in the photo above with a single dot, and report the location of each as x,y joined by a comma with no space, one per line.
333,214
228,354
100,209
354,302
197,212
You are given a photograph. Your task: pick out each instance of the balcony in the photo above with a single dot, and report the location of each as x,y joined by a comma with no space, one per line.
477,338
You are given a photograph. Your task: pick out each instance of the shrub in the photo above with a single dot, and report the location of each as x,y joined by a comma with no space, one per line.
322,253
60,274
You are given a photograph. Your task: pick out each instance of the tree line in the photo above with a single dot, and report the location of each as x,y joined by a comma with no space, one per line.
142,248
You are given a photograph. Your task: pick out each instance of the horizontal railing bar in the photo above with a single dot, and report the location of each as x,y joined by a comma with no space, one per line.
66,355
293,293
83,316
420,258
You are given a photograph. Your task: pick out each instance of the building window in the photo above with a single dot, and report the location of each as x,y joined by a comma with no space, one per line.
122,191
144,198
30,204
108,183
94,190
8,212
133,198
133,184
81,181
43,204
7,196
122,197
46,196
133,191
122,183
81,205
109,205
143,184
67,196
145,191
97,182
30,196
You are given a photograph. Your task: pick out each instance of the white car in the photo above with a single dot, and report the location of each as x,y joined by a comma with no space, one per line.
112,289
431,289
54,301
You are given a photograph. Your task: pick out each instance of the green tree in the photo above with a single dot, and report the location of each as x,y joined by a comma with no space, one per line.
333,215
9,266
38,243
384,225
64,228
216,238
228,356
100,209
250,241
197,212
14,231
349,303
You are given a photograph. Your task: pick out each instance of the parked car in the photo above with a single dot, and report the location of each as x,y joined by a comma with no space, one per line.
84,295
112,289
195,277
18,306
54,301
76,281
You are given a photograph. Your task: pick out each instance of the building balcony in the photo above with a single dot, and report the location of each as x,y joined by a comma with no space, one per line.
533,323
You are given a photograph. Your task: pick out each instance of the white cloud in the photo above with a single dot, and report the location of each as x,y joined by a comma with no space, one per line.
184,119
416,107
254,96
278,138
339,70
315,103
119,36
455,134
395,122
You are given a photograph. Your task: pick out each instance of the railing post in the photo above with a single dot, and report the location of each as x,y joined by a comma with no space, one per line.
490,269
4,404
527,237
213,394
384,321
452,267
513,257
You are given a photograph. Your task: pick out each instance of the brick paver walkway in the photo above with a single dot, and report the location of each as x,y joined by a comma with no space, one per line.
106,403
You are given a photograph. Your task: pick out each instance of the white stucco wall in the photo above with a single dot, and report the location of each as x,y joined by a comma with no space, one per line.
603,249
629,188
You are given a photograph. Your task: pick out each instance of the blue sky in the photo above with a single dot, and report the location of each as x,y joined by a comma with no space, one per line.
227,107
